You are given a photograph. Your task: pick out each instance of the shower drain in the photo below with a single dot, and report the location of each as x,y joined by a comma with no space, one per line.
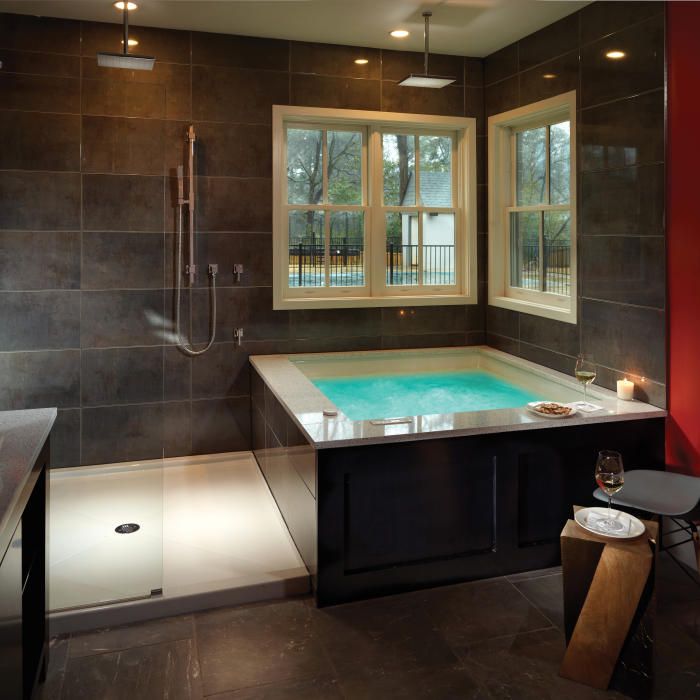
127,528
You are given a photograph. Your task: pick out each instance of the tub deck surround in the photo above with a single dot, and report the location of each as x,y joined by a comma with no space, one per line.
288,377
22,437
378,509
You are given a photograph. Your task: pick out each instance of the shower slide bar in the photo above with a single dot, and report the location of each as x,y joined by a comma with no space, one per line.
191,267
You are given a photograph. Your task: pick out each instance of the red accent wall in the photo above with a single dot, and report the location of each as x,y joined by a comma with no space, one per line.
683,232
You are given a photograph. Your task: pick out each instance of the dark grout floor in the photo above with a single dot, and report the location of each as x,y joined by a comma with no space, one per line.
499,638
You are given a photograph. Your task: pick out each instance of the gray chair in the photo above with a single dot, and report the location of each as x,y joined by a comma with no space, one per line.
668,495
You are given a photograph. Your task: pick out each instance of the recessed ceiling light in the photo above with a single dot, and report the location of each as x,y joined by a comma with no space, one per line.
132,42
361,61
549,76
129,5
616,54
399,33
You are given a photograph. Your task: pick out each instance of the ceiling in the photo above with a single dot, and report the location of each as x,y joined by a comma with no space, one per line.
461,27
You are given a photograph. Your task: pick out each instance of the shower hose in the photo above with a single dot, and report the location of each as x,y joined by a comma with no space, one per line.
182,344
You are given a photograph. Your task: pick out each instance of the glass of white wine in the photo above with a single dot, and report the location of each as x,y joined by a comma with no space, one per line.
585,373
610,477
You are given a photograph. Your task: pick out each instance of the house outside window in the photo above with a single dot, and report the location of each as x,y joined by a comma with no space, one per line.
372,209
532,209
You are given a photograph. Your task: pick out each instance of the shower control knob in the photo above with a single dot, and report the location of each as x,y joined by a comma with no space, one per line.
238,271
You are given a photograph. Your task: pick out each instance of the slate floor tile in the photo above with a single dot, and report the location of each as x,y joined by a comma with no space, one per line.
547,595
325,688
243,647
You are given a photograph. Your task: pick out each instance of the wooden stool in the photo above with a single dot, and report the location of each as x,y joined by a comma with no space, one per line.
609,602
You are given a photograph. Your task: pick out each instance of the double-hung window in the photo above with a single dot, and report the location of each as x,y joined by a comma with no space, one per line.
372,209
532,209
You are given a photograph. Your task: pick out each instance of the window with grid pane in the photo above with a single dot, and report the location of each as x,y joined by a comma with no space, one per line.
532,194
372,208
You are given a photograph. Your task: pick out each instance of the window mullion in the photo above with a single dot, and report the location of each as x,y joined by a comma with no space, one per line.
541,247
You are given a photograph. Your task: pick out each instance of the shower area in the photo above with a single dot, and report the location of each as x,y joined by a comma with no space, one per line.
161,507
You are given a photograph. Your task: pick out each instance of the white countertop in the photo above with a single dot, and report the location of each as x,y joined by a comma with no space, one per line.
305,403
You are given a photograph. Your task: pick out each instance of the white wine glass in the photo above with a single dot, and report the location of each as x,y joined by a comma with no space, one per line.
585,374
610,477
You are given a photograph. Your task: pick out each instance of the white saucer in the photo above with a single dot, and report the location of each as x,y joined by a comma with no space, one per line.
588,518
532,407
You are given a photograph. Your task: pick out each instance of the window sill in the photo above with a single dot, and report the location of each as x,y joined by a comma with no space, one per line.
363,302
555,313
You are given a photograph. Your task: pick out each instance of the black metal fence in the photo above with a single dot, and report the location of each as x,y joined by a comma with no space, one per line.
556,267
346,264
402,264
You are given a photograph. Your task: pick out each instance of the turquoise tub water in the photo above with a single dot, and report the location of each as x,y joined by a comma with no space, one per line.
393,396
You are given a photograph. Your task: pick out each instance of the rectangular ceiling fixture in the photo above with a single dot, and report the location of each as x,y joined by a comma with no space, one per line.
425,80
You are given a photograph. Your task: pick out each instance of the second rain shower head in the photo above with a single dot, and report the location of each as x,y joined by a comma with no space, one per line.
129,61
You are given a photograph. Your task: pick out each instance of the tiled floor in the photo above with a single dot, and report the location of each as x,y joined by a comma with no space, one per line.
499,638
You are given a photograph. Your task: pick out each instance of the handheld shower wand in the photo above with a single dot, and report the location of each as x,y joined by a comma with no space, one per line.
191,267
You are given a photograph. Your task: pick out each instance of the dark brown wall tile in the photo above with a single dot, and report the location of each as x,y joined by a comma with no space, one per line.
423,319
252,250
234,204
122,433
39,320
38,93
622,133
122,203
630,269
547,43
334,323
629,201
500,342
503,322
172,79
603,79
501,64
342,93
65,439
117,260
601,18
239,51
448,101
40,63
167,45
534,86
546,333
628,338
121,318
121,375
335,60
423,340
247,307
235,95
37,141
474,107
119,145
39,201
39,260
221,425
502,96
396,65
177,374
30,33
556,361
222,371
234,150
39,379
474,72
104,97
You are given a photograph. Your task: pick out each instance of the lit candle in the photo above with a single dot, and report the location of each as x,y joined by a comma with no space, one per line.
625,389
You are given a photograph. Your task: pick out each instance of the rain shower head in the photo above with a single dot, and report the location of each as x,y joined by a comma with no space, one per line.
129,61
425,79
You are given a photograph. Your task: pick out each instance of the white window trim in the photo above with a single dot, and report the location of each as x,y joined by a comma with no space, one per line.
500,162
464,179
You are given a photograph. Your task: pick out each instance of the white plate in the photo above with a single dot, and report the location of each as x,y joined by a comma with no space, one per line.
532,406
631,527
